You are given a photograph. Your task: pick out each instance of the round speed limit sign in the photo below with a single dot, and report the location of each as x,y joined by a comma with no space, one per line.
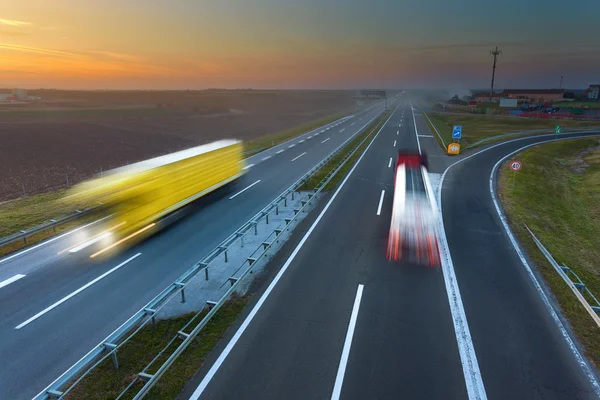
515,165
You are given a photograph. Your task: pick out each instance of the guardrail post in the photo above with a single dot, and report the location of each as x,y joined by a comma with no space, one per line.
255,228
53,224
277,209
112,347
293,194
182,286
153,312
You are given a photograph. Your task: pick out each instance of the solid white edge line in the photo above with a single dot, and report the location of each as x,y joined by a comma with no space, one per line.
466,350
380,202
11,280
339,378
294,159
390,163
580,359
50,240
243,190
325,140
81,289
215,367
416,133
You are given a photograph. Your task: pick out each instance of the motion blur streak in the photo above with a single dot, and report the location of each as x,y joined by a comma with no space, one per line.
413,233
122,240
90,240
145,192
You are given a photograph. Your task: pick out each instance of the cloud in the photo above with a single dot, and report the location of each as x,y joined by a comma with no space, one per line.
37,50
12,33
11,22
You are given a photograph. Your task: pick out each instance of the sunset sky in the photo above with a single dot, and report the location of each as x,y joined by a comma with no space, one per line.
197,44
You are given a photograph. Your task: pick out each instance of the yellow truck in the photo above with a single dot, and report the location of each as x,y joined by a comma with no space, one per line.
135,197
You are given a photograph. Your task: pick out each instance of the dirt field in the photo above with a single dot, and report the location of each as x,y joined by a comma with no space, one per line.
70,136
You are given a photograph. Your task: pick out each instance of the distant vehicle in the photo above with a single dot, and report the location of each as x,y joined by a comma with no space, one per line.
137,196
413,233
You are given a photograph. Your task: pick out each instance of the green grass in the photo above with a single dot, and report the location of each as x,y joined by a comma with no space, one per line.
481,127
106,383
595,104
334,162
262,143
559,199
28,212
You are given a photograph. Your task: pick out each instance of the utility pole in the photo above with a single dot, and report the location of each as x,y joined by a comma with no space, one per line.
494,53
561,80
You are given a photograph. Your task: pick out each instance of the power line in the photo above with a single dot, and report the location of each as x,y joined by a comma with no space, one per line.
494,53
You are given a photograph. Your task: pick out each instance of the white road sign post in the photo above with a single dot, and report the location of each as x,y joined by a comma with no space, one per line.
515,165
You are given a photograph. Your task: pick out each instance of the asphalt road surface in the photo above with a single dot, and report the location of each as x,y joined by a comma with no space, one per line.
56,307
336,320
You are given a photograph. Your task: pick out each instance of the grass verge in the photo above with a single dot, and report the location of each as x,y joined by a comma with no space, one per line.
105,382
482,127
557,194
369,132
262,143
28,212
588,104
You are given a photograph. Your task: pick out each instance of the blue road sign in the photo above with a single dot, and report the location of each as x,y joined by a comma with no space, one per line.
456,132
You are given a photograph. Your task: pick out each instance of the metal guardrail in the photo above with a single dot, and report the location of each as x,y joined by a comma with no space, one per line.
576,285
109,346
53,223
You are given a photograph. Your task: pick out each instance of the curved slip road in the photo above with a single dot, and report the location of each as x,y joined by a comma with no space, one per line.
65,304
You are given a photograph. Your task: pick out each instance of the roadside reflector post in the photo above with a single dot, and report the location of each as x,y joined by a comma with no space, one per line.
206,273
255,228
293,194
285,201
267,219
225,255
277,210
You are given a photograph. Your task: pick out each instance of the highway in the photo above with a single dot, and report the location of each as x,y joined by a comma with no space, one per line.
333,319
336,320
56,307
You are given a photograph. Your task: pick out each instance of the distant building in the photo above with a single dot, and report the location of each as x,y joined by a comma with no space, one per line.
523,95
5,96
20,94
593,92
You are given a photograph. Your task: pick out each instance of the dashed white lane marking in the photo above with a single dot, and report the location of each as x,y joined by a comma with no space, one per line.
390,163
11,280
339,379
243,190
266,158
294,159
325,140
380,202
280,151
81,289
249,166
291,145
394,143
